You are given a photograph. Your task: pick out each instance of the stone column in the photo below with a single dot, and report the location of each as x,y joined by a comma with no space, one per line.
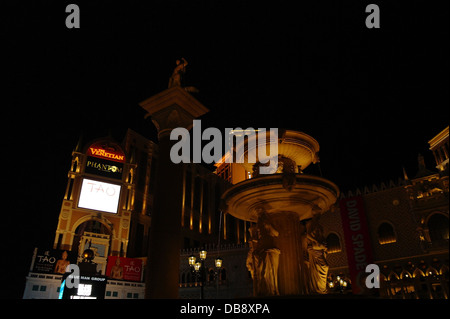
169,109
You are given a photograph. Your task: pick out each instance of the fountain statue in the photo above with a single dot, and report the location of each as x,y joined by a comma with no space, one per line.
263,257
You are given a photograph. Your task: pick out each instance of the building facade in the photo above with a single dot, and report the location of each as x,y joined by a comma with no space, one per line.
408,227
406,231
107,207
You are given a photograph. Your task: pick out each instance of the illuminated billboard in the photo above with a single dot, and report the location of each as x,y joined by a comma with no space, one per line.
99,196
124,268
106,150
104,168
105,158
52,260
89,287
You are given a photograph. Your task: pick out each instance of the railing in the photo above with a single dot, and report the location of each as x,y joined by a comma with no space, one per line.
213,248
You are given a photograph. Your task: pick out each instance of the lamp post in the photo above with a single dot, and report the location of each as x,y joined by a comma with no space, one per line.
199,270
338,284
218,263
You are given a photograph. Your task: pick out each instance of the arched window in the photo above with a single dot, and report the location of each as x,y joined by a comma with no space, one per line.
386,234
333,243
405,275
93,226
418,273
438,228
130,176
75,164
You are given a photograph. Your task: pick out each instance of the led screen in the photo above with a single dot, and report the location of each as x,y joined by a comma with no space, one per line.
99,196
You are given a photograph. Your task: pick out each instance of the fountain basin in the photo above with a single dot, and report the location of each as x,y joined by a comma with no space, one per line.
309,194
297,146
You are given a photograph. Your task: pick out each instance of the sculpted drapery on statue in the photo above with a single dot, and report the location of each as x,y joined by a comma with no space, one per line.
263,257
253,260
317,265
269,255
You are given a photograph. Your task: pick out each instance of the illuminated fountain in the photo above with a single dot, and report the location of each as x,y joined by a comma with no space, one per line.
287,251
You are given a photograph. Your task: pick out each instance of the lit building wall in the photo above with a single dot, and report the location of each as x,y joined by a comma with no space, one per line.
406,221
98,180
408,225
202,219
143,155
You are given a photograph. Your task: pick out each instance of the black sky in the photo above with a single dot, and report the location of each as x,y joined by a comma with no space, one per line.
371,97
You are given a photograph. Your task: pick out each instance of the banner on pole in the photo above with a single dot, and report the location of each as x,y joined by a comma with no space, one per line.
357,240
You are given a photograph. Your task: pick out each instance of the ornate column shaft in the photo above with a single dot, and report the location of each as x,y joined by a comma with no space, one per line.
169,109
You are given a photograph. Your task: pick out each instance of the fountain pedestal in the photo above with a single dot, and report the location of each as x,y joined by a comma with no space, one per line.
286,241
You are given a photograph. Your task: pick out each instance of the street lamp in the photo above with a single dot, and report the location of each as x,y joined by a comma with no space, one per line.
202,254
199,270
192,260
338,284
218,262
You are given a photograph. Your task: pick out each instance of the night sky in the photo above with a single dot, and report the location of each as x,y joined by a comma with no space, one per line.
371,97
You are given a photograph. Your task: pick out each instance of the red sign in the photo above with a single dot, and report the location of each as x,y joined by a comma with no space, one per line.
122,268
106,151
357,240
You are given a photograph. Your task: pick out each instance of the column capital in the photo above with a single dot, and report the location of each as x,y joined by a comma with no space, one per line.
173,108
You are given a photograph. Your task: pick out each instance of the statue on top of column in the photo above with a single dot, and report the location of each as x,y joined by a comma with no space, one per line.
178,73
